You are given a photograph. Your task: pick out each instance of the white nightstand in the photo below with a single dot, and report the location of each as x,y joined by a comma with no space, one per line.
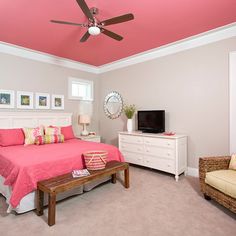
92,138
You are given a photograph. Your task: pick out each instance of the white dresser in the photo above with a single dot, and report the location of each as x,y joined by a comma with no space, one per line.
157,151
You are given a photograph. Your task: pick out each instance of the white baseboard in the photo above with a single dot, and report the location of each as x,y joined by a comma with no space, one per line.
192,172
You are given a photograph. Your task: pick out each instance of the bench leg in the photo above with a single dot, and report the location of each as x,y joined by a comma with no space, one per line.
113,178
126,172
51,209
40,200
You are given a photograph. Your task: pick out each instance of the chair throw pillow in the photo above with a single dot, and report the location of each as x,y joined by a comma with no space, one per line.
48,139
232,164
32,133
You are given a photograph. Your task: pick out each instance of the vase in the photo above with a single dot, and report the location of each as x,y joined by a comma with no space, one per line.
129,125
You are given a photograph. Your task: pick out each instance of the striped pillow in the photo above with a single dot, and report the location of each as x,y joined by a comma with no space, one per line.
32,133
52,130
47,139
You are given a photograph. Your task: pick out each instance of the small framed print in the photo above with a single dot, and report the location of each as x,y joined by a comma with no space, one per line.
7,99
57,102
25,100
42,101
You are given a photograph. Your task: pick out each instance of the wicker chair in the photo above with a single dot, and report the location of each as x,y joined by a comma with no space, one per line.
207,164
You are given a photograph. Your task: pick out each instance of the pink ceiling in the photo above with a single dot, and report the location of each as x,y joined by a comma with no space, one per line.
157,22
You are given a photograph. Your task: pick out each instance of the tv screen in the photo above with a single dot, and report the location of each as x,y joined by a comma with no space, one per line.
151,121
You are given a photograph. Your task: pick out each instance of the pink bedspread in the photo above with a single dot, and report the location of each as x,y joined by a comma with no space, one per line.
23,166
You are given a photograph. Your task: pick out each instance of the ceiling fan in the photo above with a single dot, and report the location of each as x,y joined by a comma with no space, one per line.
95,26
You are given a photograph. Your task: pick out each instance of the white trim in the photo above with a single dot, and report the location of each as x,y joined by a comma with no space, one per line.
45,57
205,38
211,36
193,172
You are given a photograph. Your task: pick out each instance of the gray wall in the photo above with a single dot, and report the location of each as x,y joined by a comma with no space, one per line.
192,86
21,74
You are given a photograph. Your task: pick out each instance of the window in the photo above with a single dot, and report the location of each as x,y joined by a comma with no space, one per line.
80,89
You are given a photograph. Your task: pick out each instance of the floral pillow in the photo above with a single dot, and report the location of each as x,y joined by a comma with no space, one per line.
32,133
47,139
232,164
52,130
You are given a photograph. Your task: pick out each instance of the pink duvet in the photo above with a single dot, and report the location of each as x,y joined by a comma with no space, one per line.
23,166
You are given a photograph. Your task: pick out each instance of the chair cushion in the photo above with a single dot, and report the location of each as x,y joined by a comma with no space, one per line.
223,180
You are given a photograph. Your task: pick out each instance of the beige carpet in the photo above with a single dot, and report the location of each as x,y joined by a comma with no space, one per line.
154,205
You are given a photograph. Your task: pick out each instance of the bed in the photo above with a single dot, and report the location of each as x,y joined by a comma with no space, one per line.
21,167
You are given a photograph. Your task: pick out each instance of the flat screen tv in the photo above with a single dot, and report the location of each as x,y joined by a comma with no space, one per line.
151,121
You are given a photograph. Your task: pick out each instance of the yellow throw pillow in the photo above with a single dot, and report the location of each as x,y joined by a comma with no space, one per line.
32,133
232,164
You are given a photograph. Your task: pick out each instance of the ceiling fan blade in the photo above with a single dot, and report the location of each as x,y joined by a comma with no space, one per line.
85,37
67,23
111,34
118,19
85,9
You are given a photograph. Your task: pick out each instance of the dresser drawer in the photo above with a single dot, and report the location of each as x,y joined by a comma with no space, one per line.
132,147
131,139
160,164
167,143
160,152
133,158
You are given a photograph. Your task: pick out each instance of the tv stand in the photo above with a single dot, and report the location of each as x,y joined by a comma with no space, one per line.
157,151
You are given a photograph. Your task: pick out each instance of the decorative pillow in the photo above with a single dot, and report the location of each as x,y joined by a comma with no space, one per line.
232,164
67,131
10,137
52,130
32,133
47,139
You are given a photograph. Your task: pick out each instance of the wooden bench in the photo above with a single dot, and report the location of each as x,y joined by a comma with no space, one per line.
66,182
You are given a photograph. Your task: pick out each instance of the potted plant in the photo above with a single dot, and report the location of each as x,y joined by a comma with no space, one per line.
129,111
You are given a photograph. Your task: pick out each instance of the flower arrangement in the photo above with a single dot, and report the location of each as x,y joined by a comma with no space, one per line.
129,110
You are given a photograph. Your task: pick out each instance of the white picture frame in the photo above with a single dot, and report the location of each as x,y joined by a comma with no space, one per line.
7,98
42,101
25,100
57,102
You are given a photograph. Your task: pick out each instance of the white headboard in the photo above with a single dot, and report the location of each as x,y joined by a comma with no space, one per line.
33,119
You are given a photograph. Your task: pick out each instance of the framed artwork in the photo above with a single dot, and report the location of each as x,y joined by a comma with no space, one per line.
7,99
57,102
42,101
25,100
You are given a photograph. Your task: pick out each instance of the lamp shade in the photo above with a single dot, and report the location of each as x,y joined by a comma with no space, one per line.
84,119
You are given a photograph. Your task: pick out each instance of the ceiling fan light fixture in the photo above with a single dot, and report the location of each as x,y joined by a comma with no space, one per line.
94,30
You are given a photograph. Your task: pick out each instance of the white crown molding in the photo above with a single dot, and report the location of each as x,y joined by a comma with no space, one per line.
211,36
205,38
45,57
193,172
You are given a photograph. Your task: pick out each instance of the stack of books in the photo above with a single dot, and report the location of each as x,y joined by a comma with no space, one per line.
80,173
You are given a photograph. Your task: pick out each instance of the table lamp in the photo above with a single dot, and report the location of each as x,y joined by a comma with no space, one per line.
84,120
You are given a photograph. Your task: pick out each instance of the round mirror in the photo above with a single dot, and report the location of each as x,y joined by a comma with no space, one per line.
113,105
